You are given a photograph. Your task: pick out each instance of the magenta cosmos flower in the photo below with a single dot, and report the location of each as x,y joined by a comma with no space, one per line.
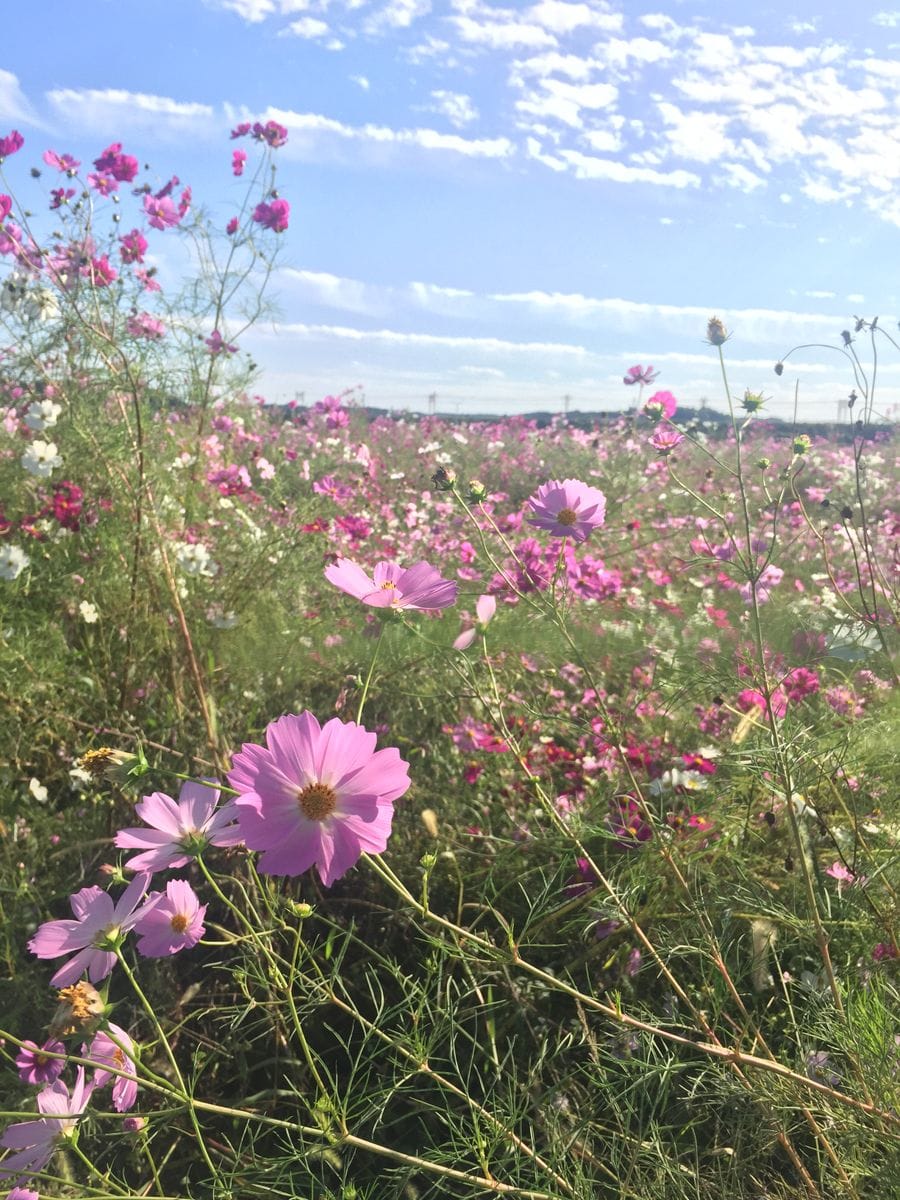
393,586
35,1067
660,404
35,1141
98,926
568,509
175,921
316,794
114,1049
179,830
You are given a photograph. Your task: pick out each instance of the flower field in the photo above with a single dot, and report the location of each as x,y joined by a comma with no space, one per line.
397,807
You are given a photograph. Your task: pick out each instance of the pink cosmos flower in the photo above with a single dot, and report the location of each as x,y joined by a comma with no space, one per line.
161,212
316,794
217,344
660,404
274,215
392,586
62,162
102,273
98,925
35,1141
179,831
238,158
232,227
567,509
20,1193
485,607
276,135
114,1049
665,440
173,923
241,130
144,325
133,247
769,577
104,185
639,375
112,161
5,206
844,877
35,1067
11,144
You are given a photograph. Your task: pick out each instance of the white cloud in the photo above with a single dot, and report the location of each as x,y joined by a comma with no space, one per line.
14,104
396,14
455,106
98,109
305,27
820,295
889,20
252,11
698,136
311,130
487,345
360,81
737,176
587,167
562,18
497,35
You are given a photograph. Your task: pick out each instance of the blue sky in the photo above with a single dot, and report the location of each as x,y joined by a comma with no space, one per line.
508,203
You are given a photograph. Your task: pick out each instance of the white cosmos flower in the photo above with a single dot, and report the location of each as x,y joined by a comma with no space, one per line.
41,458
42,414
13,561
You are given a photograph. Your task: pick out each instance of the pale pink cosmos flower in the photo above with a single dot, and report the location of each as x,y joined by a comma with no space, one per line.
181,830
392,586
99,924
567,508
35,1141
20,1193
173,923
316,794
665,440
114,1048
35,1067
485,607
161,212
639,374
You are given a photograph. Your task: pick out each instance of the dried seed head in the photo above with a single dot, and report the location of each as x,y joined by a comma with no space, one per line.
716,333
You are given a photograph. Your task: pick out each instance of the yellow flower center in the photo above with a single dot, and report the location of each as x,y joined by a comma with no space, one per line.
388,583
179,922
567,516
317,801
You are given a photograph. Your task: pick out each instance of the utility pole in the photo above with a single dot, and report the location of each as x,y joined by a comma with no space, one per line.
432,403
567,400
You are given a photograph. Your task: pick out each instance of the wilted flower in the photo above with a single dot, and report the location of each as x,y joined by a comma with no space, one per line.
80,1008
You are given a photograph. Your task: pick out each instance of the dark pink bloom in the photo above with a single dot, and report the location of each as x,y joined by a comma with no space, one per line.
11,144
241,130
627,824
62,162
20,1193
218,345
316,794
144,325
114,1048
181,830
161,212
800,683
238,158
132,247
112,161
61,196
98,926
172,921
639,375
272,133
35,1141
660,404
232,227
35,1067
568,508
5,206
392,586
274,215
102,272
469,735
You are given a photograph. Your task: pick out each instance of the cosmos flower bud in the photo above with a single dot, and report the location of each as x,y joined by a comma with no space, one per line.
477,491
801,443
779,368
752,402
764,463
716,333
